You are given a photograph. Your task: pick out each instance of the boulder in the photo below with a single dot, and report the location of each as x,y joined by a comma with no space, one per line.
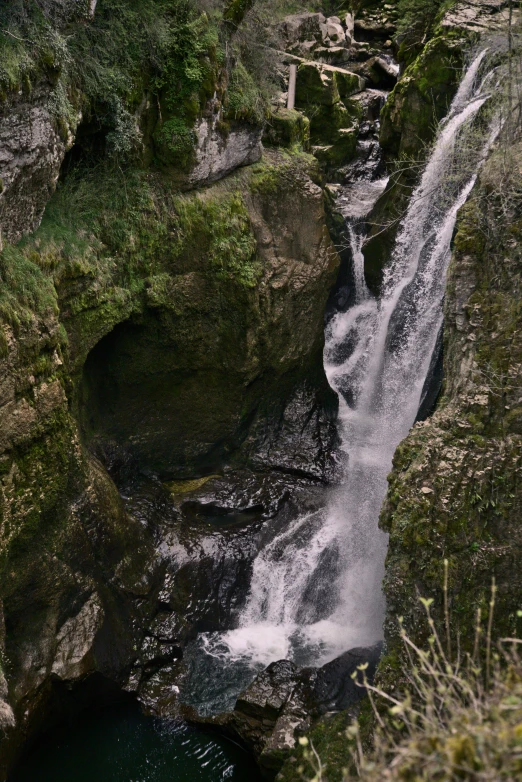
477,16
325,84
381,73
334,688
301,27
282,702
218,155
286,128
375,27
332,55
341,152
335,33
307,47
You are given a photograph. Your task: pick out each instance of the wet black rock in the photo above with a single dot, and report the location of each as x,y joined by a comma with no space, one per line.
284,700
335,689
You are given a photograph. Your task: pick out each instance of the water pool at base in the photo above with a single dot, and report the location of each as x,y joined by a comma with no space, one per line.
120,744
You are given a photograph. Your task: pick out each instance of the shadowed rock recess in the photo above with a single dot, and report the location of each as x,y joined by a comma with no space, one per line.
171,240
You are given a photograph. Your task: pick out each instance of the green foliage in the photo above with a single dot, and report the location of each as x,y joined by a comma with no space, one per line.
166,47
452,717
29,43
444,717
61,108
113,231
244,98
176,140
235,10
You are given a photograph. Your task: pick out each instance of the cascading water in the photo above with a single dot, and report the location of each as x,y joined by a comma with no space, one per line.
316,587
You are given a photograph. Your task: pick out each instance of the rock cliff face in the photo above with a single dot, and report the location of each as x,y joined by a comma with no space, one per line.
172,341
144,330
455,491
200,366
231,323
32,151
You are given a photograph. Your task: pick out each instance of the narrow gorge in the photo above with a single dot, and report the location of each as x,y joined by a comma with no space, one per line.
260,390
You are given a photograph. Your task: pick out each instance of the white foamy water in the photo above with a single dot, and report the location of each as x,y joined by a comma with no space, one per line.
316,587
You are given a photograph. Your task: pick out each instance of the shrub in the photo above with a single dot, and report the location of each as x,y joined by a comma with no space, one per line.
451,718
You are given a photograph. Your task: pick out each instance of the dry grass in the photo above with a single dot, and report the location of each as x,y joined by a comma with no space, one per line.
456,718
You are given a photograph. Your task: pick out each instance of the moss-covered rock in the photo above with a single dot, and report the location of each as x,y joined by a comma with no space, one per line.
455,491
69,555
422,97
209,306
324,85
287,128
149,82
340,152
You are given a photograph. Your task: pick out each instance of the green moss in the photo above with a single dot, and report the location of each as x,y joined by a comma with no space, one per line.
38,484
175,142
340,152
269,179
288,128
168,49
222,227
24,288
235,10
421,97
30,46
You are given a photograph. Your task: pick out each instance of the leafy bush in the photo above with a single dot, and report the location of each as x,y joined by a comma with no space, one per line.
166,47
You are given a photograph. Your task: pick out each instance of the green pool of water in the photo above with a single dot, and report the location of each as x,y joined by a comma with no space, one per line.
119,744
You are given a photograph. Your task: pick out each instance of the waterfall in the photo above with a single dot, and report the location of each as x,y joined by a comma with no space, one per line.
316,587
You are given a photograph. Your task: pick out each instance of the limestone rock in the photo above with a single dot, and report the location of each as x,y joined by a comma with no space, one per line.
266,387
217,156
283,700
301,27
335,32
479,16
31,153
374,27
341,152
407,119
381,72
287,127
333,55
75,640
